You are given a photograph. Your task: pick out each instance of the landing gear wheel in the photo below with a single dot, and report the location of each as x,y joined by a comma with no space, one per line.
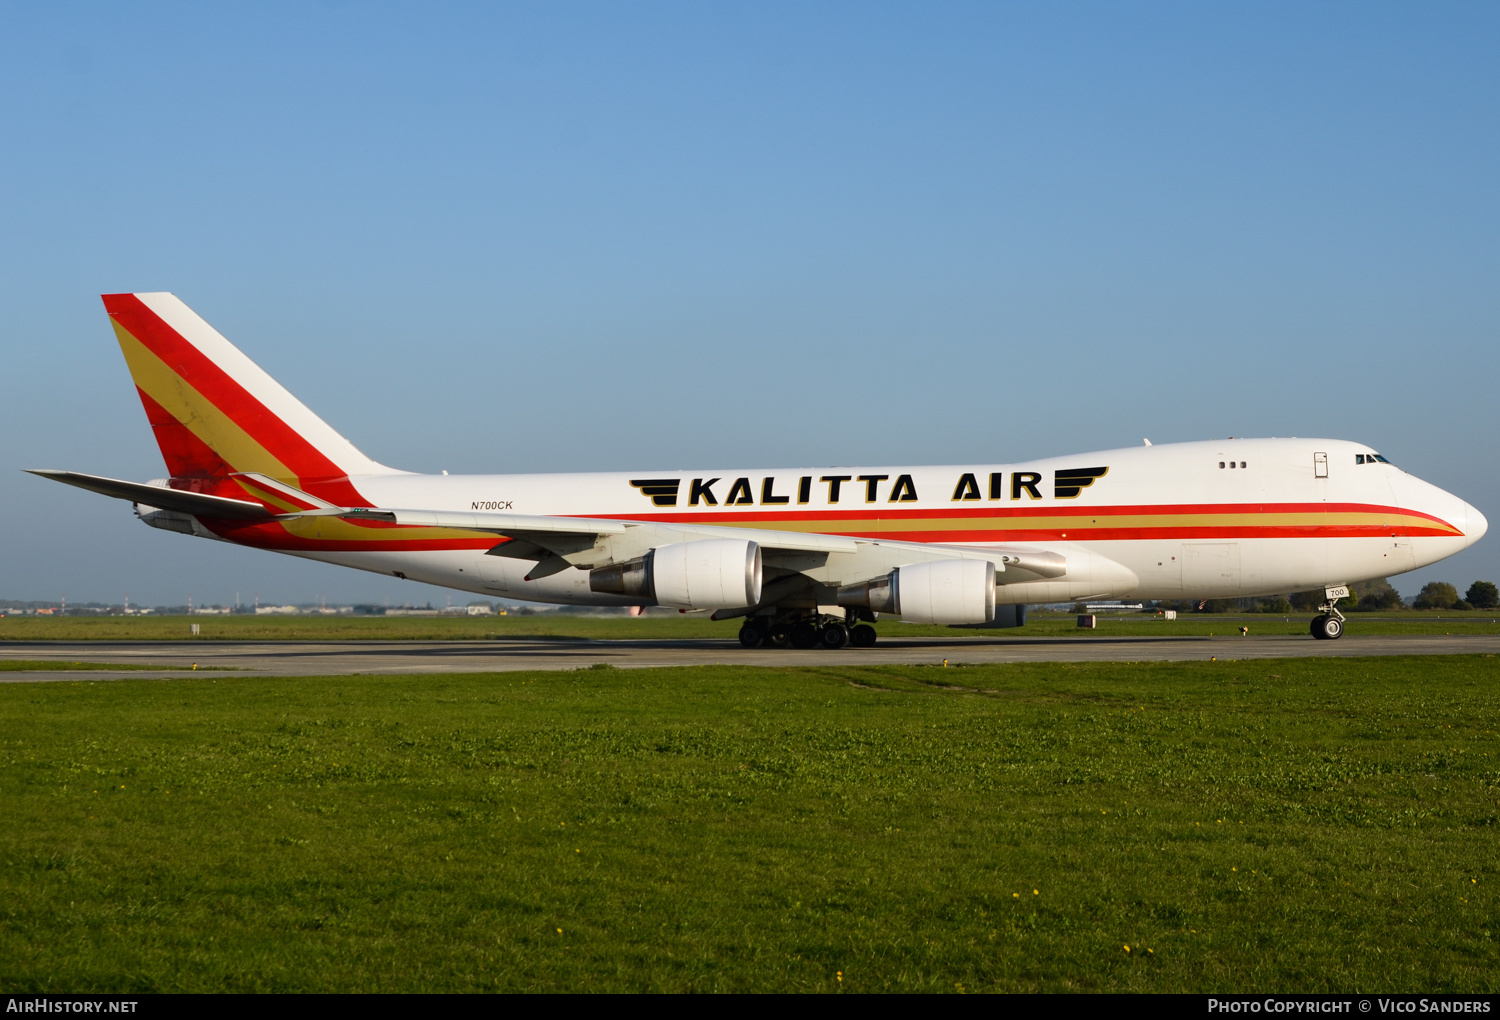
751,635
1312,627
834,636
779,637
862,636
1328,628
804,635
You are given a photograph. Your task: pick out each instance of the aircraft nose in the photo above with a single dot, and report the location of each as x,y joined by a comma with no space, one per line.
1475,525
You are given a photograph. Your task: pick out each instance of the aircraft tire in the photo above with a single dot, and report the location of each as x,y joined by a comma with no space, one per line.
1313,627
1330,628
834,636
862,636
751,636
804,635
778,636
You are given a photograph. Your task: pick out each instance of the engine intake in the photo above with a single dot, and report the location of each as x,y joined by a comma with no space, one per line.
938,591
720,573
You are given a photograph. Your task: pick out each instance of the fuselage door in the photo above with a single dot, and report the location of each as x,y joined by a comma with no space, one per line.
1320,465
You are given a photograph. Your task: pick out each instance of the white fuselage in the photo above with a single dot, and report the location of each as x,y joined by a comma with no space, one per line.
1166,521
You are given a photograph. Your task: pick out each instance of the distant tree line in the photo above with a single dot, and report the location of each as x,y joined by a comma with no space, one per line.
1364,597
1442,595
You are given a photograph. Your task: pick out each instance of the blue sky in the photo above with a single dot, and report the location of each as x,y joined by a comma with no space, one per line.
609,236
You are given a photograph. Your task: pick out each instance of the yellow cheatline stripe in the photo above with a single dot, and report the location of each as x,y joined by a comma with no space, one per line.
333,529
199,414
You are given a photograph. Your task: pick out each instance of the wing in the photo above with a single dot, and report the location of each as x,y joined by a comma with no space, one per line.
557,543
595,542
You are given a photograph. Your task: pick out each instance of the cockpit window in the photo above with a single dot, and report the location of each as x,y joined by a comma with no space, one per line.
1369,458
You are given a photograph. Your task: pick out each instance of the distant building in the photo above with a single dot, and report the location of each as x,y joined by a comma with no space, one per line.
1115,607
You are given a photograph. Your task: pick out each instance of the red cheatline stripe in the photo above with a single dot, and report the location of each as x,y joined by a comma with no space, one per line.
1140,534
876,511
258,421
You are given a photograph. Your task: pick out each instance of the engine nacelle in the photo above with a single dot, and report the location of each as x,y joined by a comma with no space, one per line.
720,573
938,591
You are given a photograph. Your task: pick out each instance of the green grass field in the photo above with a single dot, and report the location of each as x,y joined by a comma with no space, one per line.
1310,825
657,627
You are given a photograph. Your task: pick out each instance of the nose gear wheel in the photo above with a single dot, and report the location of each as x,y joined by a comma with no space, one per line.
1328,625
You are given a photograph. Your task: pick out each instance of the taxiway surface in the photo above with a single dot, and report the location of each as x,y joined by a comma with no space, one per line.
325,658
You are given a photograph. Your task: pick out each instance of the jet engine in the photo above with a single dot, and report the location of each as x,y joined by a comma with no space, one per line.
938,591
720,573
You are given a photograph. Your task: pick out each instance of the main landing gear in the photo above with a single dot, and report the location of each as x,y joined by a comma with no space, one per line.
1328,625
805,631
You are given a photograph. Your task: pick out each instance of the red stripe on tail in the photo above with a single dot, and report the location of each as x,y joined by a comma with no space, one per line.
315,472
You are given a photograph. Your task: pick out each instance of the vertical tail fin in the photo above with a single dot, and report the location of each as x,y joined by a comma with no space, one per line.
215,412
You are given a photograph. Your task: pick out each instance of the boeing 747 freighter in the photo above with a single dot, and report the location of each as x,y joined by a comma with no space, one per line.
805,556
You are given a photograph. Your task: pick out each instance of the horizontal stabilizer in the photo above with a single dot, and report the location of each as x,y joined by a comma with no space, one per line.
196,503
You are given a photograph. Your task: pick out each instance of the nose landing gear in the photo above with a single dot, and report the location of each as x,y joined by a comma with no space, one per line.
1328,625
